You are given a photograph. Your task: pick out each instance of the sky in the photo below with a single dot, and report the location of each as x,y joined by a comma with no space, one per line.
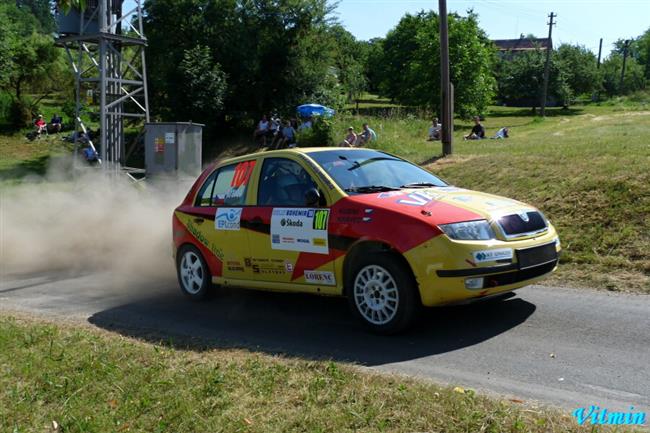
581,22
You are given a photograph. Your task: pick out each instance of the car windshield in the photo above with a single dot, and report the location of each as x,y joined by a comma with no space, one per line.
360,171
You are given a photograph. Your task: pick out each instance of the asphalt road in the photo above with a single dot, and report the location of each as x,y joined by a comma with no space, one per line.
559,346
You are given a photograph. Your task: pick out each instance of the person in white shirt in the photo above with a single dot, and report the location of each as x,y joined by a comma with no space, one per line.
262,130
434,130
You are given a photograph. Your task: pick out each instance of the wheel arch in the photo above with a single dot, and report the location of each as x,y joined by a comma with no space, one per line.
362,248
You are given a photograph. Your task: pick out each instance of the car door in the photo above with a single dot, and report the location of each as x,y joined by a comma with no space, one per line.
289,240
222,200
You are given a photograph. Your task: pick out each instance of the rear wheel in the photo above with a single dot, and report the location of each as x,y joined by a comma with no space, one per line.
193,273
383,293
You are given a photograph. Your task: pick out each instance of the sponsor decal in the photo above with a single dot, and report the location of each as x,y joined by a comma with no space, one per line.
299,229
204,240
463,198
228,218
235,268
415,199
492,255
266,266
451,189
288,267
349,211
320,277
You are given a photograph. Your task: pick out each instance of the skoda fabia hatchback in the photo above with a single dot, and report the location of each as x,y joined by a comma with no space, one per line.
359,223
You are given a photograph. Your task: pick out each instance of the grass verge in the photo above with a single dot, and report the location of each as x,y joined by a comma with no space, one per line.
587,168
86,380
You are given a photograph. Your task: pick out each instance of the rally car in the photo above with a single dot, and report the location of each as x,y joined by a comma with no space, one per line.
365,224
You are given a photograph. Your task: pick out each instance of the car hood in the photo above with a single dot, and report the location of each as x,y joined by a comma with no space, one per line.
443,205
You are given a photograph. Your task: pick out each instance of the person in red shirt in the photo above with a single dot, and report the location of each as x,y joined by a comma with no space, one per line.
40,124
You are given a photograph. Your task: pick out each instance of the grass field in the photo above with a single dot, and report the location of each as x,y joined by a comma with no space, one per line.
79,379
587,168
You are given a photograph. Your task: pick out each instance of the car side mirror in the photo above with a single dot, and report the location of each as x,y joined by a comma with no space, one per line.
312,197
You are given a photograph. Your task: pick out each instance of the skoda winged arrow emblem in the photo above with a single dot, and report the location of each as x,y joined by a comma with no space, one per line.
524,216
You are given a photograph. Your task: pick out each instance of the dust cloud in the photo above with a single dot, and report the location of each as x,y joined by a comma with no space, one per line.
92,223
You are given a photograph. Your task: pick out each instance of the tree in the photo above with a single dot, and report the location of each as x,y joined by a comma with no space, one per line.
42,12
202,89
411,56
611,69
578,64
275,53
349,59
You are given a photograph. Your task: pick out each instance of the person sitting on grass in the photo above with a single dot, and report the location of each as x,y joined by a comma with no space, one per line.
56,123
367,135
288,138
262,130
434,130
478,131
40,125
350,140
501,133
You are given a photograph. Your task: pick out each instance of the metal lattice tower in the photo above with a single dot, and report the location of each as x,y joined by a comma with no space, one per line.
106,48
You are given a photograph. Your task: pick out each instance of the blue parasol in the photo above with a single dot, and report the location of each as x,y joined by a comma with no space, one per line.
308,110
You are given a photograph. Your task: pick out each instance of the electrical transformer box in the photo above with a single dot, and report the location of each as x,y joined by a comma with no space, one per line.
173,149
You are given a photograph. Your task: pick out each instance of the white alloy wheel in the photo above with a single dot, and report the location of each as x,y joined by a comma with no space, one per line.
191,272
376,295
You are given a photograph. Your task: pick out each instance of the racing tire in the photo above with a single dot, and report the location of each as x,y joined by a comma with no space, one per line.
193,273
382,293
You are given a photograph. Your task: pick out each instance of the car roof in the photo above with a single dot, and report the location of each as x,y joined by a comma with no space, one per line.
291,151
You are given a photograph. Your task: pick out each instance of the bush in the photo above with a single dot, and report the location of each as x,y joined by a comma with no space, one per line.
320,134
5,109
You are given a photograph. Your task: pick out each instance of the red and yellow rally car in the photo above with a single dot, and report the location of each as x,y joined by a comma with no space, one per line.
365,224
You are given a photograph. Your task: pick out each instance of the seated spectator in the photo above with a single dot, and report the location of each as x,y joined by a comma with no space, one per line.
261,130
274,131
56,123
288,138
501,133
367,135
478,131
435,130
306,124
350,139
40,125
90,155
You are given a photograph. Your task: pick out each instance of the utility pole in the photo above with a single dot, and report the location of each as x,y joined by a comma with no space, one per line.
625,47
600,50
549,48
445,85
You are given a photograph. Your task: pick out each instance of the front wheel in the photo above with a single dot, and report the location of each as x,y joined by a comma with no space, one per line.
383,294
193,273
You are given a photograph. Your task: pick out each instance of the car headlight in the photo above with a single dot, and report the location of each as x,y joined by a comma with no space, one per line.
469,231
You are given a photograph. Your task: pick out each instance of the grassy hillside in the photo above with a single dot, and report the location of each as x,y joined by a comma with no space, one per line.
587,168
67,379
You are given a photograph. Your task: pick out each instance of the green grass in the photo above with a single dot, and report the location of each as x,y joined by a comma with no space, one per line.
87,380
587,168
20,157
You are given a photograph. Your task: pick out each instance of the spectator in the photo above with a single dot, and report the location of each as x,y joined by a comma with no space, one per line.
306,124
367,135
350,139
288,136
90,154
478,131
262,130
56,123
501,133
434,130
274,130
40,125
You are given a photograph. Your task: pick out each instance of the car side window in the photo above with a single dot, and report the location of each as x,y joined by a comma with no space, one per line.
283,182
204,197
231,184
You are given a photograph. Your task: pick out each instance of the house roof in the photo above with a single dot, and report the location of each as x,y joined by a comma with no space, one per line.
523,44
